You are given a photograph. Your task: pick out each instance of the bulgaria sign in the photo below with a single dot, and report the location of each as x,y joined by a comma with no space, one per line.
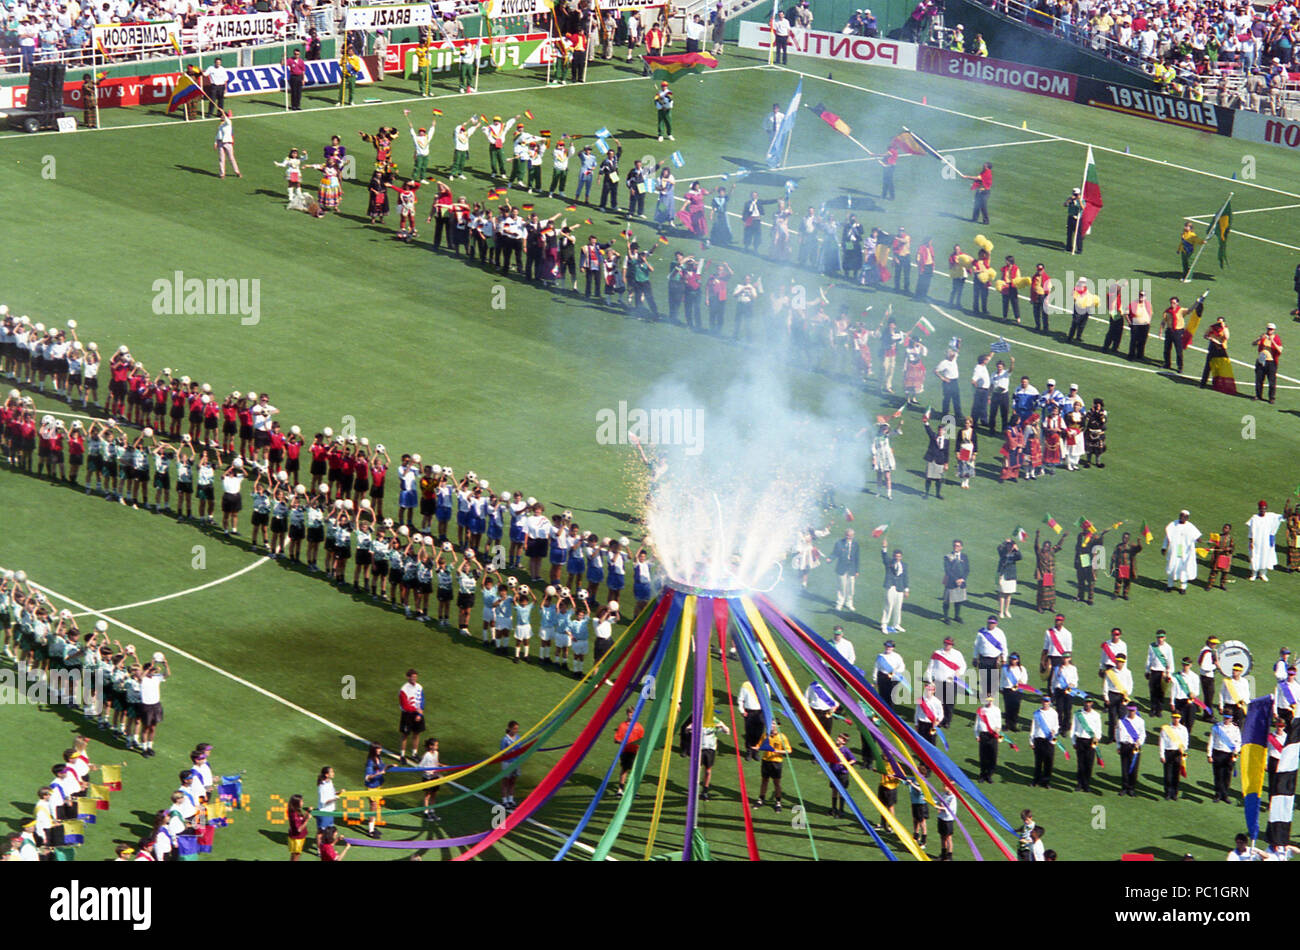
121,37
390,16
836,46
250,27
995,72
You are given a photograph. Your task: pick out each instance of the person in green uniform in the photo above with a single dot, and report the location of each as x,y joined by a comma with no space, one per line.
468,56
423,66
351,70
664,106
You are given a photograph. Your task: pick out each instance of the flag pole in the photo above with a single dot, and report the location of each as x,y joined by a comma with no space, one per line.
785,157
1187,278
1083,202
478,52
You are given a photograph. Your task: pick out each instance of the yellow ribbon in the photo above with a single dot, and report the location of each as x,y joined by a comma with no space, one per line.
679,677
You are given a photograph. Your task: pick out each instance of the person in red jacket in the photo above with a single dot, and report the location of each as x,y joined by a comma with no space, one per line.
981,184
1010,295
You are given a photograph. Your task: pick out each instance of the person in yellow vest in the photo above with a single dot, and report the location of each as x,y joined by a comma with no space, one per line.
423,68
984,274
351,68
562,56
1234,694
1040,285
1197,92
981,48
89,93
1007,284
1187,243
924,268
1173,752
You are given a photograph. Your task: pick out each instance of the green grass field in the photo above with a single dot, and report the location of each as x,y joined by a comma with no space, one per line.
404,343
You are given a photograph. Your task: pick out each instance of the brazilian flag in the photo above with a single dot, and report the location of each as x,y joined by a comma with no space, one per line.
1222,228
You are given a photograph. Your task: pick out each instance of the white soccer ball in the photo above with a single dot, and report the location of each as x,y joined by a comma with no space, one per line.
531,501
147,433
92,346
167,370
404,531
388,522
40,328
252,396
365,503
206,387
550,590
20,576
236,395
72,324
121,349
484,484
446,545
380,448
437,470
511,581
282,477
300,489
101,626
347,504
582,595
613,605
295,430
338,504
15,394
327,432
416,458
365,443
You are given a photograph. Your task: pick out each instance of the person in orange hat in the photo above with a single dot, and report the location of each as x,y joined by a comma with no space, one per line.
664,107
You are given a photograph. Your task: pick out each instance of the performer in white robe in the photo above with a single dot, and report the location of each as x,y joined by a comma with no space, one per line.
1180,548
1263,541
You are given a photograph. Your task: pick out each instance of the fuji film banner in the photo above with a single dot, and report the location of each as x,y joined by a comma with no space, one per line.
514,51
836,46
249,27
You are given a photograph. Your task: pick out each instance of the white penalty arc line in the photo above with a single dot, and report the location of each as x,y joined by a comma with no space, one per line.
1008,125
134,631
181,123
180,593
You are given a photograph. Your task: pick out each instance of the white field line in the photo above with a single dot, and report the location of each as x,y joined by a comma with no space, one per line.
180,593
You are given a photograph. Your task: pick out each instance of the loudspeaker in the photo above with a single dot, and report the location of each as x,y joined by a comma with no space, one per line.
45,87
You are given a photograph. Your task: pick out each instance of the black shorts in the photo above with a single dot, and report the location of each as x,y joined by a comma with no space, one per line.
424,587
428,506
296,532
381,567
363,557
231,502
317,468
345,483
291,466
276,456
210,423
771,769
261,438
245,432
444,595
162,481
376,491
626,758
316,533
196,416
151,714
342,553
920,811
465,600
184,488
278,525
412,723
117,388
707,757
230,427
204,493
361,485
178,412
887,796
945,828
535,547
260,518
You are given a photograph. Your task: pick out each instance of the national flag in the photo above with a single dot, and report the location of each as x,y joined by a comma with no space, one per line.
925,326
570,207
1052,523
677,159
1222,377
1085,526
878,530
776,150
831,119
231,790
600,144
86,810
602,133
1020,534
908,142
1254,759
483,118
676,65
217,814
74,832
187,847
528,114
586,220
662,239
1000,345
206,836
186,90
1222,228
1116,525
1091,195
848,516
1147,536
99,795
437,112
1282,802
111,777
527,207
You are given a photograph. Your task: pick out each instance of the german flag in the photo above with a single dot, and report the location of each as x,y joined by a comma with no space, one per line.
662,239
437,112
526,207
831,119
570,207
679,64
907,142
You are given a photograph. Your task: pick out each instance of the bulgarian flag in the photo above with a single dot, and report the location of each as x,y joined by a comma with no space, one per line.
1147,536
676,65
1052,523
1091,195
831,119
925,326
879,529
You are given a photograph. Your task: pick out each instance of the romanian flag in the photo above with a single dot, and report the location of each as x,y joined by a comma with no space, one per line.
111,777
1222,227
677,65
1147,536
831,119
186,90
1091,195
879,530
1052,523
74,832
907,142
1254,759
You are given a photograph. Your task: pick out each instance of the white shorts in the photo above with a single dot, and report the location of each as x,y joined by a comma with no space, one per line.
580,647
489,616
547,634
562,640
524,631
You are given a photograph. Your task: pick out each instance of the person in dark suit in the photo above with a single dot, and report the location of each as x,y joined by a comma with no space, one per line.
845,555
936,459
956,568
896,588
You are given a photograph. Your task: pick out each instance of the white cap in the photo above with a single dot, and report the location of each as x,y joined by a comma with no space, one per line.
1074,386
1051,382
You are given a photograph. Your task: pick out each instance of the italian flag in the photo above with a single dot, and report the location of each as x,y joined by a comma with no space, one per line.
1052,523
1020,534
1147,536
1091,195
878,530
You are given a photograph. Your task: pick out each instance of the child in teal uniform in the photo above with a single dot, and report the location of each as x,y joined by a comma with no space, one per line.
523,620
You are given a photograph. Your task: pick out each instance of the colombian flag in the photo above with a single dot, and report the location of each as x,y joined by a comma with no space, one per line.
1254,759
86,811
677,65
74,832
909,143
186,90
831,119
